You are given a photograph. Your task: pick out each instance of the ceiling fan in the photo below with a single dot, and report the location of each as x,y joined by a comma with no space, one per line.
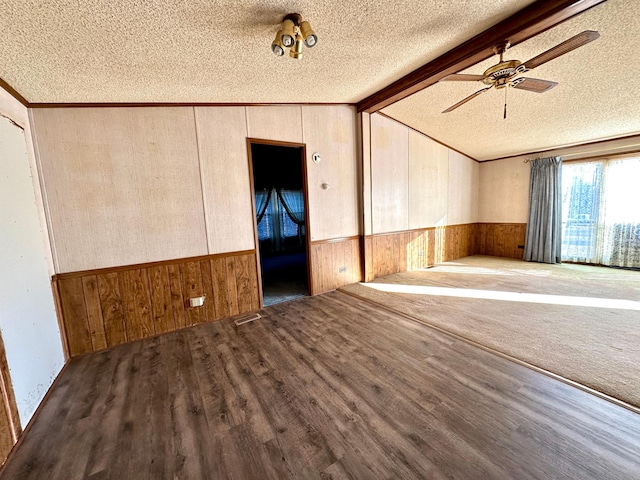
505,73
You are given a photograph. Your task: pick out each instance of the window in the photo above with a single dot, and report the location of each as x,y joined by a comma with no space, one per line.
282,223
601,219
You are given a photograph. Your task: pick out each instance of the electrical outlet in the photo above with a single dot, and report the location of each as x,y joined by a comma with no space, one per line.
420,253
195,302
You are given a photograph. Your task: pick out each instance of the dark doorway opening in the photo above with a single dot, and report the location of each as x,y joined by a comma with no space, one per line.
280,199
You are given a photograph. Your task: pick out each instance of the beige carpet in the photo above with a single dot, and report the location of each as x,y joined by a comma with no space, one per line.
580,322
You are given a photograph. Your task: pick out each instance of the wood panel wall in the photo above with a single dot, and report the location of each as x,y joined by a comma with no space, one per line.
457,240
328,258
500,239
107,307
412,249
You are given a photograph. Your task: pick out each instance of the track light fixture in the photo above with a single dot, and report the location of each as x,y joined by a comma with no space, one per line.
293,33
277,47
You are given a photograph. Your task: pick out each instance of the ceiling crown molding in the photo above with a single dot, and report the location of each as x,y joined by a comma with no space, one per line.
13,92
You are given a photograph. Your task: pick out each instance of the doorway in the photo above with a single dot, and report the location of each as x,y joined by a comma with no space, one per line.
281,216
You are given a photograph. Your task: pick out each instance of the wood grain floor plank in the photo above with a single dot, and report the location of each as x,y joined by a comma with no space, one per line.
322,387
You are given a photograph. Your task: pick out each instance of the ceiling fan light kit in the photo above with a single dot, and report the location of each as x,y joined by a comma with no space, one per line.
505,73
294,32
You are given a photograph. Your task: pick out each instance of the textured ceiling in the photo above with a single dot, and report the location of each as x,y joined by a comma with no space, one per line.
219,51
68,51
597,96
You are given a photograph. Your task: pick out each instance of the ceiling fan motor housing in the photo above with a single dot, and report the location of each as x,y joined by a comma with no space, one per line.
499,74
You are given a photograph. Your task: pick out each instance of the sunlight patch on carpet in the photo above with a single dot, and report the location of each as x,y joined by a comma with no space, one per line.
610,303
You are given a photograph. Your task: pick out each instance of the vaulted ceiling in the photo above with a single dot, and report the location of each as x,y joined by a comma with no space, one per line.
204,51
596,97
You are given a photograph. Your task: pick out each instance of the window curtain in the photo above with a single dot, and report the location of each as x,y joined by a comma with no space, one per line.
262,202
601,218
543,241
293,204
621,222
280,218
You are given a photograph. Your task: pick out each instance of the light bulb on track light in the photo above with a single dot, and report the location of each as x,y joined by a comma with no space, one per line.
309,36
276,46
288,34
293,34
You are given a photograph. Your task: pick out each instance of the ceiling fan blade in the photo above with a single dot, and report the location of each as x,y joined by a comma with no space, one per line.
533,84
462,102
462,77
565,47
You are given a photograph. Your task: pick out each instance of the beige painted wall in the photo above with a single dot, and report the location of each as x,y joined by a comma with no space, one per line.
616,146
428,181
389,175
277,122
504,183
504,191
122,185
464,177
133,185
331,131
365,121
417,182
224,165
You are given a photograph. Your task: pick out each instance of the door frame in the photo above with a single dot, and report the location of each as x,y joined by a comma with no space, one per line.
305,194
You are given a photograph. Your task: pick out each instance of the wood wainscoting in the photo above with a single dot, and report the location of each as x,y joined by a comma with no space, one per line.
335,263
412,249
501,239
107,307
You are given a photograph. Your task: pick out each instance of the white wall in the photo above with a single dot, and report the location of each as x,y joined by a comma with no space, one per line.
134,185
504,191
417,182
27,315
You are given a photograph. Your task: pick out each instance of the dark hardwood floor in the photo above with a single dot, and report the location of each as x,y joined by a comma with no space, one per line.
323,387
